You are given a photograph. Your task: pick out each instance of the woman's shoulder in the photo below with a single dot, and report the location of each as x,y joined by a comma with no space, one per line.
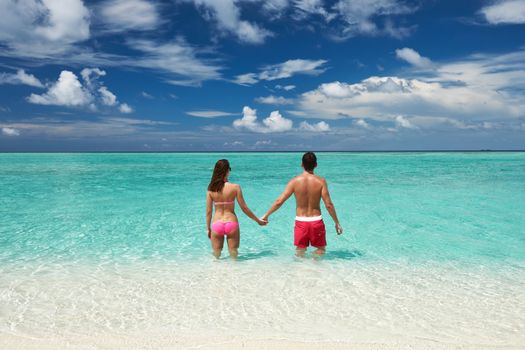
232,185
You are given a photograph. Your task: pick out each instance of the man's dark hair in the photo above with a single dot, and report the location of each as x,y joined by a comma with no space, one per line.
309,161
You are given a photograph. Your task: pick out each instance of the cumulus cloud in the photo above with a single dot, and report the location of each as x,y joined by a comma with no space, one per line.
505,12
403,122
20,77
413,57
124,15
227,16
274,123
317,127
69,91
125,108
39,28
283,70
108,98
209,114
274,100
91,75
479,87
362,123
10,131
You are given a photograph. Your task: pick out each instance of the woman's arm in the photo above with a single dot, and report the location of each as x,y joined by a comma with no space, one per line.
208,212
245,209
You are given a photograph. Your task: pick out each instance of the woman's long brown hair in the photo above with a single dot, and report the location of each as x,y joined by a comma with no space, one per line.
219,173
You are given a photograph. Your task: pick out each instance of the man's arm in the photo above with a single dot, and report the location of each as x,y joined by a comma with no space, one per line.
330,207
288,191
208,212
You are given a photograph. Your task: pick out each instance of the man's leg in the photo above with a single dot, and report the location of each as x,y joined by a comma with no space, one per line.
320,251
300,252
318,237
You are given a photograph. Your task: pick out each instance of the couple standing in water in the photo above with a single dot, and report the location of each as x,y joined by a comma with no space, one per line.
308,189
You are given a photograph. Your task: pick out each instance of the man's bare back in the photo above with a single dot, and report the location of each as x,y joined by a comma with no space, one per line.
308,190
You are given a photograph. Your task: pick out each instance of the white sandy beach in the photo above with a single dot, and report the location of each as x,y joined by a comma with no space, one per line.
166,341
229,306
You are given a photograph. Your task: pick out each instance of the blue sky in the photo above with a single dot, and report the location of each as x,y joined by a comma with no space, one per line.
238,75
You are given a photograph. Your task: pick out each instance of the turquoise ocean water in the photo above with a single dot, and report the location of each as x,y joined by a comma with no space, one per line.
114,236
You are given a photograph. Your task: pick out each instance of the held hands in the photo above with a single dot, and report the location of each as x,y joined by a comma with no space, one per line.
338,229
263,219
262,222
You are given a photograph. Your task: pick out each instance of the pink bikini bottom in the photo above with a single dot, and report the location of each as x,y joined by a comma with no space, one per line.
224,227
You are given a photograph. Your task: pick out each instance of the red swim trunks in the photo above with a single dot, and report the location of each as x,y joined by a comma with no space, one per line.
309,230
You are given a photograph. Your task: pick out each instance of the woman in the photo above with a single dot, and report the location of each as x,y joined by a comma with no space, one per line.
225,221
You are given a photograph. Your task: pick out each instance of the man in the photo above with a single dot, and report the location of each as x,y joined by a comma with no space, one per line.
308,189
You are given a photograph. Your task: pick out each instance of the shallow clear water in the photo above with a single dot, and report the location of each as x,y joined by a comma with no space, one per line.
434,248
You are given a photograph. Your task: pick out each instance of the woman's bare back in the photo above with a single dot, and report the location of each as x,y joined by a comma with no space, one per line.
225,211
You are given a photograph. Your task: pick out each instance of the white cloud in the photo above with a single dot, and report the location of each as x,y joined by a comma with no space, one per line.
246,79
285,87
91,75
274,123
263,142
275,7
274,100
40,28
283,70
124,15
234,143
21,77
146,95
477,88
209,114
108,98
318,127
360,17
505,12
67,91
305,8
413,57
292,67
362,123
403,122
100,128
227,16
175,57
10,131
125,108
70,92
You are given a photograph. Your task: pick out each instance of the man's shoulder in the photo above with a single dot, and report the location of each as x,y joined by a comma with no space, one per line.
320,178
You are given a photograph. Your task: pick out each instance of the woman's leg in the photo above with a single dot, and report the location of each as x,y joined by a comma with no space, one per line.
234,239
217,242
